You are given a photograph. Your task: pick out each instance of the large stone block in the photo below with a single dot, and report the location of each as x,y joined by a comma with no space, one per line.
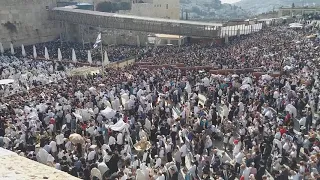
28,20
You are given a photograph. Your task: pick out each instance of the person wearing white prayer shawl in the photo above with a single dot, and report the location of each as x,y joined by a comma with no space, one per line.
158,162
103,168
135,163
141,175
184,151
91,155
120,139
112,142
145,156
96,173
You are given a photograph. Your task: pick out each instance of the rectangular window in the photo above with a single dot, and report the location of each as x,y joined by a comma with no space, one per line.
167,6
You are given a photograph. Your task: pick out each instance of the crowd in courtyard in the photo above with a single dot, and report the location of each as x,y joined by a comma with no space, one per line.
167,124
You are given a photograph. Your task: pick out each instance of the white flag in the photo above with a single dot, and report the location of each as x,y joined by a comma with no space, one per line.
74,57
59,54
34,52
96,44
12,49
1,48
89,57
106,59
23,51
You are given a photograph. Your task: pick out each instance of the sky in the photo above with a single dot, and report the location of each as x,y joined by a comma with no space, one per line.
229,1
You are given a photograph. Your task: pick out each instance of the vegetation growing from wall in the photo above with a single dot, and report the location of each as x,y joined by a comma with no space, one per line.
113,7
10,27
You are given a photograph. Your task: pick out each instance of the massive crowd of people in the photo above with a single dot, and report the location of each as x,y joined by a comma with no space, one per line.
137,123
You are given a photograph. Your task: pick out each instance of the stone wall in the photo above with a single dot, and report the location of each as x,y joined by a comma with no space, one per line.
28,22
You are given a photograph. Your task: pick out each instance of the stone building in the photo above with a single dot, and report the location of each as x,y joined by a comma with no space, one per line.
169,9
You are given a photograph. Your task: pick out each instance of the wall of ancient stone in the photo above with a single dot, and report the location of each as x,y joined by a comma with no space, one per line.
26,22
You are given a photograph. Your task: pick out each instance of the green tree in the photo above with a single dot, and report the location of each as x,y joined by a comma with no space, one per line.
105,7
124,6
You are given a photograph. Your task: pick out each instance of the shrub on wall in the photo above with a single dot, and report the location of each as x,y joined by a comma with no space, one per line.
113,7
10,27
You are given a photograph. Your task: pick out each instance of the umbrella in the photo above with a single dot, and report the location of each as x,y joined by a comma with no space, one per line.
245,86
89,57
235,75
76,138
23,51
1,48
46,54
291,109
59,54
74,57
34,52
266,77
11,48
106,59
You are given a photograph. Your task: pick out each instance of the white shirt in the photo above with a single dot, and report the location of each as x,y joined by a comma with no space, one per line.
158,163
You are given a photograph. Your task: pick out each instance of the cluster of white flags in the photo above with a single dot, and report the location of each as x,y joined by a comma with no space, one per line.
47,57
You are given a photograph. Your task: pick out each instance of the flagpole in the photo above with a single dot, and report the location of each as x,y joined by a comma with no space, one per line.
102,62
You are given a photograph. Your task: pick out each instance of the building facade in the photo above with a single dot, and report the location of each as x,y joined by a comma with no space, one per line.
168,9
298,11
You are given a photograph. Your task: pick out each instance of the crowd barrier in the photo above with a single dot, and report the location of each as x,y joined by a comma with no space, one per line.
116,64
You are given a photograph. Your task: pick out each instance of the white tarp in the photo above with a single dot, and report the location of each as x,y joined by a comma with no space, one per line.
6,81
108,113
119,126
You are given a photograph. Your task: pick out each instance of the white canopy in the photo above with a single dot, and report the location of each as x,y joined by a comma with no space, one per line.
59,54
23,51
6,81
89,57
34,52
46,54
